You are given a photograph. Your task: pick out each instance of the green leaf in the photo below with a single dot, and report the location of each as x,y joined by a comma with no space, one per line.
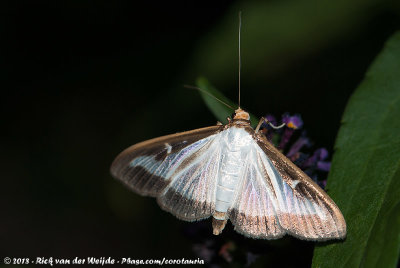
220,110
365,176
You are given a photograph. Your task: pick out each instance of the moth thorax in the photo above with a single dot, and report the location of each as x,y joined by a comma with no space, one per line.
241,114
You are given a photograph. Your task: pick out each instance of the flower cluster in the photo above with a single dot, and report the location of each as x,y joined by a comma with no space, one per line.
312,163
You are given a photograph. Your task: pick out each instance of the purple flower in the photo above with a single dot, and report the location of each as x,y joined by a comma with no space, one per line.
316,160
293,122
287,134
324,165
297,149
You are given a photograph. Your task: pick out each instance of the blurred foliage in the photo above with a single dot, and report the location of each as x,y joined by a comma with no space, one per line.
220,110
275,33
365,175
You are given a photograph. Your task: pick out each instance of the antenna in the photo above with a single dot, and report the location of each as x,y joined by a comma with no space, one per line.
209,94
240,58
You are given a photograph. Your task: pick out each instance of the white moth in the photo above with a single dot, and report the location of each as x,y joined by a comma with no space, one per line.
230,172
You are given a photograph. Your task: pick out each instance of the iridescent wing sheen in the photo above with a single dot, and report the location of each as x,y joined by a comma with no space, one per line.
180,170
254,212
276,197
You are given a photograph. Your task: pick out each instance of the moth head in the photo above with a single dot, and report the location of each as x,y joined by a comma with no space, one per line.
241,114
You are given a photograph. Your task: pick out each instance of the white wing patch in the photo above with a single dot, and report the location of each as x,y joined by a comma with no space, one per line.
255,210
190,176
294,183
168,147
191,193
267,207
167,166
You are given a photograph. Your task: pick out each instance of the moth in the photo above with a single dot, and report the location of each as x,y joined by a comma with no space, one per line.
230,172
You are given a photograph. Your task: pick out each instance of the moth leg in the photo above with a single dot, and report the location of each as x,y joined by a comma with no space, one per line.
262,119
219,123
269,123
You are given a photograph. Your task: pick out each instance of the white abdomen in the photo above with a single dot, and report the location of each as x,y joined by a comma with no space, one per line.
236,145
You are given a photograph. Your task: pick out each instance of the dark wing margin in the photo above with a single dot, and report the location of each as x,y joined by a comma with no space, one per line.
145,175
307,211
253,213
173,168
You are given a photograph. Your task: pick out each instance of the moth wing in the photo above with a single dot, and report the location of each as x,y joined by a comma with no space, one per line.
179,169
305,210
254,212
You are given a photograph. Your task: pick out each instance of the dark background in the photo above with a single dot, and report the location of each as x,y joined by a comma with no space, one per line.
82,80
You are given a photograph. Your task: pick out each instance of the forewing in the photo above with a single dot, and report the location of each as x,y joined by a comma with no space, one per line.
254,212
171,169
305,210
191,193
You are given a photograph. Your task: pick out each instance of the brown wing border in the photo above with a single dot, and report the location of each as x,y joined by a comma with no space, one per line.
156,145
306,186
146,182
